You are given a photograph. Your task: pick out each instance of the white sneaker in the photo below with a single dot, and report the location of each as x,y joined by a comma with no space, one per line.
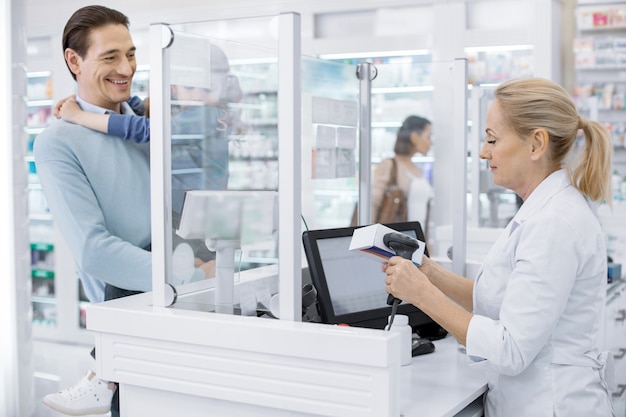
90,396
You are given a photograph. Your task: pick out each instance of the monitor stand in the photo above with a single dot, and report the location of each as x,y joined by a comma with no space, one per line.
224,273
224,220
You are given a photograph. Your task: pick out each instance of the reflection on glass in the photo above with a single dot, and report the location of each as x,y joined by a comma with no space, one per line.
218,147
418,86
254,156
400,90
402,128
329,143
492,206
403,87
493,65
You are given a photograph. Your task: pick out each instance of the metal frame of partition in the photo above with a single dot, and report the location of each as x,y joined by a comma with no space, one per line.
476,96
459,188
365,72
161,37
289,167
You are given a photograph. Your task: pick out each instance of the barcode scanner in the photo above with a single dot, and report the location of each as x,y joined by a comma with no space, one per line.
404,246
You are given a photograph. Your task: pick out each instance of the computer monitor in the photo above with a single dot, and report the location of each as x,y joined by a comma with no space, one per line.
350,286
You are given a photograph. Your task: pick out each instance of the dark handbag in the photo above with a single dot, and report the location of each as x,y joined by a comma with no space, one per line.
394,206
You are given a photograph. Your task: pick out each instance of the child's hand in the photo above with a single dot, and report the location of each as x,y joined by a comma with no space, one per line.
69,110
207,267
56,110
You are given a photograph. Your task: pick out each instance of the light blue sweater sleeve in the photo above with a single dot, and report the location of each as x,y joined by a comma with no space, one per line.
98,191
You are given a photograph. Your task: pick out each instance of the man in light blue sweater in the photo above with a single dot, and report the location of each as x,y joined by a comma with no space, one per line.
98,189
96,185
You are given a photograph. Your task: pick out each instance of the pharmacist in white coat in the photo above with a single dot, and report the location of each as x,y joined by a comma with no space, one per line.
533,315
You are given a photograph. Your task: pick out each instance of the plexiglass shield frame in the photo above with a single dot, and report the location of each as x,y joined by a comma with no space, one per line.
232,188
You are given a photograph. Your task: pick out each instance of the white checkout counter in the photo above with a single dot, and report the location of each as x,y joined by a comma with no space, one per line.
173,361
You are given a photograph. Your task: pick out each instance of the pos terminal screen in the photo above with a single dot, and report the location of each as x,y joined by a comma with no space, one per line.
351,287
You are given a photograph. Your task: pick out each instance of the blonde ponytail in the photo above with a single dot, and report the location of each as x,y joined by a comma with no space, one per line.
592,173
531,103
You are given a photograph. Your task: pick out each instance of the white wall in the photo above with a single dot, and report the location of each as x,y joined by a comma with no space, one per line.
46,17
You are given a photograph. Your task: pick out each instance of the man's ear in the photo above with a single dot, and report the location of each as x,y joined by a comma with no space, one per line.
73,60
539,143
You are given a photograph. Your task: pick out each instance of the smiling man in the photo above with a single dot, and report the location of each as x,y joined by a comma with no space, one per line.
96,185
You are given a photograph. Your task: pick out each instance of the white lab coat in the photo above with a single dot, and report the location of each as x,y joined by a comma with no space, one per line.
538,308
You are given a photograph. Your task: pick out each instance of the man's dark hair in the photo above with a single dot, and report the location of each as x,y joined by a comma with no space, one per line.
76,34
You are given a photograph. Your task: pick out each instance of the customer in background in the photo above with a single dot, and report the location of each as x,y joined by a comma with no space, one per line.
412,138
96,185
533,314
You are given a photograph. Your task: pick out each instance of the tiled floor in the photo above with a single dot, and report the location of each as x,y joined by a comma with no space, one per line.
57,366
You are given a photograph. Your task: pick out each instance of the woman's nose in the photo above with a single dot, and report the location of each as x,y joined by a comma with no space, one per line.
483,154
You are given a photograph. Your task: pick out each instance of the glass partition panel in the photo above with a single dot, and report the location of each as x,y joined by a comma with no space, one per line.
490,207
402,86
220,143
434,171
437,175
222,165
330,112
495,64
402,89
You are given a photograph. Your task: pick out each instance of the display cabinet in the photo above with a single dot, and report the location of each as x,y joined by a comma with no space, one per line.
488,65
600,63
39,104
254,149
58,303
615,341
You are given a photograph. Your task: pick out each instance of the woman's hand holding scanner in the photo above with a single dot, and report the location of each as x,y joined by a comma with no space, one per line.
381,243
444,296
404,246
405,281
